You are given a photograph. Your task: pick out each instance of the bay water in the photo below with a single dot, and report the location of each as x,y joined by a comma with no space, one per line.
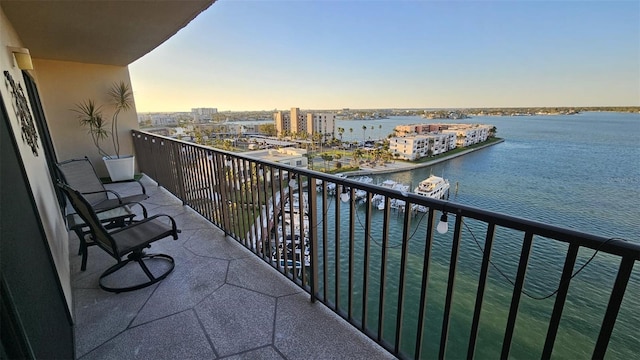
575,171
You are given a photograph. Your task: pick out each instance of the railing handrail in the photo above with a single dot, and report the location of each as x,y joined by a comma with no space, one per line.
612,246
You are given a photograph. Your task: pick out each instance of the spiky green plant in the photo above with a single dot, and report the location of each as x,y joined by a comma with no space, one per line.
90,116
121,98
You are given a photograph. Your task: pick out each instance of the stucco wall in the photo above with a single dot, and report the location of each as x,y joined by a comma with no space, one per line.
35,165
64,84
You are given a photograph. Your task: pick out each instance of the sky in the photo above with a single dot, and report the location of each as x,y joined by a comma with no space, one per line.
364,54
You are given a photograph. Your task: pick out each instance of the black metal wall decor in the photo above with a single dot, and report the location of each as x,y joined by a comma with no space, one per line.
21,107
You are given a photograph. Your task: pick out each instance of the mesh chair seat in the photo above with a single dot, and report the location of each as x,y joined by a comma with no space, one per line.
133,238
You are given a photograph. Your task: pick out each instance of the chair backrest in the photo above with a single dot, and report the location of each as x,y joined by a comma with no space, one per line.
80,175
99,234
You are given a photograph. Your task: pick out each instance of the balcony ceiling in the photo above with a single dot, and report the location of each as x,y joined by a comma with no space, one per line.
98,32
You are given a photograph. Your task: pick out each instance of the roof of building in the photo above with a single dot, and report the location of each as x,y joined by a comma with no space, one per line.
277,155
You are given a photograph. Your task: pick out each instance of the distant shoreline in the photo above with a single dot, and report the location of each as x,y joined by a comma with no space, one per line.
399,167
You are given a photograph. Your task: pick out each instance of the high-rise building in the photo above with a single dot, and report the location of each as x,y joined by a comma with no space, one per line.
203,114
283,122
322,123
297,122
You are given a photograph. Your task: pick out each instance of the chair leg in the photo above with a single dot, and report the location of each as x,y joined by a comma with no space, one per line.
82,249
139,258
85,255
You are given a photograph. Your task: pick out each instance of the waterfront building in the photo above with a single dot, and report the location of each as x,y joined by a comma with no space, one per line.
322,123
439,138
203,114
418,146
467,135
417,129
297,122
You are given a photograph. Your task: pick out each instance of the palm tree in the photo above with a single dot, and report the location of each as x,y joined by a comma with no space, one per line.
326,158
310,158
377,154
380,128
315,138
364,132
340,132
357,155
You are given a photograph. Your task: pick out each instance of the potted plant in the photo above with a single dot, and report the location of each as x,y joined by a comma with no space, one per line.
120,167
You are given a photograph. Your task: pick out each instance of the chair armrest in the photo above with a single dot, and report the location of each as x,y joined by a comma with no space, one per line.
129,204
174,227
144,191
107,191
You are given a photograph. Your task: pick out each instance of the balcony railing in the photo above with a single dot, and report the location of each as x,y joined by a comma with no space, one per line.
413,290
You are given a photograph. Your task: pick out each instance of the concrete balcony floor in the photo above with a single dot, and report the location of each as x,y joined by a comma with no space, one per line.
221,301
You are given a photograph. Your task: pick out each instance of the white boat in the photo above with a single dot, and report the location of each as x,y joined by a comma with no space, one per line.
378,200
364,179
397,204
296,202
331,187
434,187
388,184
291,251
359,193
285,226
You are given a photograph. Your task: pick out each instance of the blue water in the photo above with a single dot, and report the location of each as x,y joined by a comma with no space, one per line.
577,171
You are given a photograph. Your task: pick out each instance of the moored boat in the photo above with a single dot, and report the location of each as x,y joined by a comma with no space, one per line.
434,187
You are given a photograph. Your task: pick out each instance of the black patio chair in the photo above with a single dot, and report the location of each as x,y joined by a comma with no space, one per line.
127,244
81,175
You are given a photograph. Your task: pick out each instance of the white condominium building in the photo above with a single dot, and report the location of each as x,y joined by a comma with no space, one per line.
419,146
418,129
419,140
469,134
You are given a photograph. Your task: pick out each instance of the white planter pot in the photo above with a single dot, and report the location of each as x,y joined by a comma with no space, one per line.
120,168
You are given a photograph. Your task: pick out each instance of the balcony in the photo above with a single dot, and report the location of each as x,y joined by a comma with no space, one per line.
221,300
